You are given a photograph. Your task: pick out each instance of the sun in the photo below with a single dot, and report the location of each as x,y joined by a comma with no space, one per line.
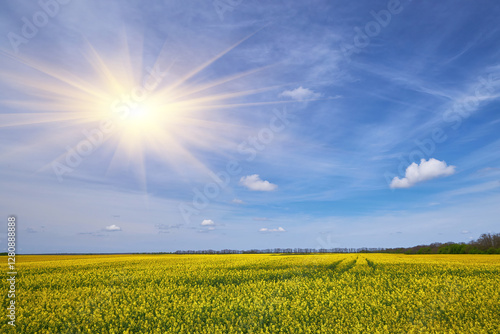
147,126
141,115
140,120
156,111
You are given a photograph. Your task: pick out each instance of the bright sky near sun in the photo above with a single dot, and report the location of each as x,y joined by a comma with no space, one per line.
130,126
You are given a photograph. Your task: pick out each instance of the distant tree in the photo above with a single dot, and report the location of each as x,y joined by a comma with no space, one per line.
452,249
492,250
424,250
487,241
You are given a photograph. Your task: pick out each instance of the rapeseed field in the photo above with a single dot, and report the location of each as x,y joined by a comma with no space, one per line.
263,293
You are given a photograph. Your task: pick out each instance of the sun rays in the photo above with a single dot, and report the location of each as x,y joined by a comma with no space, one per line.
149,111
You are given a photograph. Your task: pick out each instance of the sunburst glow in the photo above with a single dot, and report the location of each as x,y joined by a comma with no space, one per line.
152,110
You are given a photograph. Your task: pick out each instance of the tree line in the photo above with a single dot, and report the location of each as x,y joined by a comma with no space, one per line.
486,244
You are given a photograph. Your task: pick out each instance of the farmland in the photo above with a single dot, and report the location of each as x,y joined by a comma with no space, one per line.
263,293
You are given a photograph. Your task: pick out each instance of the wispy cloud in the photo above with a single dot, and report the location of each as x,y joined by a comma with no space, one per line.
478,188
31,230
300,94
207,222
166,228
113,228
279,229
207,225
254,183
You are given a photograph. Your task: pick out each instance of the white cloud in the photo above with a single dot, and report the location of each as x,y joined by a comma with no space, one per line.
465,232
237,201
113,228
279,229
207,222
253,182
427,170
300,94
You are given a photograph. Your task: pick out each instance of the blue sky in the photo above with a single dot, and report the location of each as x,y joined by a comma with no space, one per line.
243,124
